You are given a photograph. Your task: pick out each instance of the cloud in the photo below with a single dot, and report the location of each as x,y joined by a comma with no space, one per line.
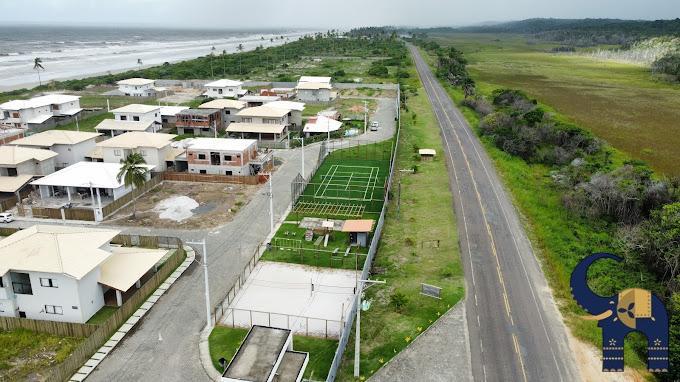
325,14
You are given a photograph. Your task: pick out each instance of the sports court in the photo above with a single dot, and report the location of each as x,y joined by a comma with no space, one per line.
349,183
308,300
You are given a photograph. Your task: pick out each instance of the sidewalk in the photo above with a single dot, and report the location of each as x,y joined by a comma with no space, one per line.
439,354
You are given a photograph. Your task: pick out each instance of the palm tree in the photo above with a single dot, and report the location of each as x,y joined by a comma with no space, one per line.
38,66
140,63
240,49
133,174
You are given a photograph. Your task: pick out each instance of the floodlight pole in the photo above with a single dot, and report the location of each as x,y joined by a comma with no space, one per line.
357,335
205,276
302,140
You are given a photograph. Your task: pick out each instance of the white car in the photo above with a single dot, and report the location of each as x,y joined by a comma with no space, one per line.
374,126
6,217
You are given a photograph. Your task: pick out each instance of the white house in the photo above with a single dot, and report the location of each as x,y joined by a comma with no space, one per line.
68,272
314,92
71,146
137,87
321,125
113,127
258,100
154,148
223,156
16,160
229,108
295,111
137,113
225,89
38,110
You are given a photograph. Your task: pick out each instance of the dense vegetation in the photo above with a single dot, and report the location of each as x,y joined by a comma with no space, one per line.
621,205
581,32
242,64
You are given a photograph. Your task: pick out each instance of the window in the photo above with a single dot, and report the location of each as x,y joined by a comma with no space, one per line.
48,283
53,309
202,172
135,118
2,283
227,112
143,152
247,120
227,173
123,117
21,283
116,152
15,115
227,158
201,156
219,91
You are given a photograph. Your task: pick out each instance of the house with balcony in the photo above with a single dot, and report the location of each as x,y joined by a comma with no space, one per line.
225,156
138,113
169,115
200,122
35,112
315,89
71,146
225,89
137,87
295,110
70,273
263,123
229,108
153,147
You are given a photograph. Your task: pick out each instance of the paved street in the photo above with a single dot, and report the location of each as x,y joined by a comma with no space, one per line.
515,330
164,345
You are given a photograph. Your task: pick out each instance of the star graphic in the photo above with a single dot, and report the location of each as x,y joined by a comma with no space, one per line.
612,342
657,342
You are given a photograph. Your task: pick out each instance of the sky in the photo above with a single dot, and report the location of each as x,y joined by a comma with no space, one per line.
318,14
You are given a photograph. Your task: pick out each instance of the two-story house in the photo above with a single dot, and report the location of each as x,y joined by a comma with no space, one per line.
154,148
229,109
295,110
68,273
137,87
71,146
138,112
222,156
225,89
38,110
263,123
205,122
314,89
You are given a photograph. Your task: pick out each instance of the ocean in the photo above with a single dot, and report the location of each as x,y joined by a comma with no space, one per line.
77,52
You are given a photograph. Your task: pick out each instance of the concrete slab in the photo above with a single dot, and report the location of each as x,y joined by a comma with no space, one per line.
125,327
78,377
92,363
85,370
153,298
117,336
133,320
111,343
147,305
98,356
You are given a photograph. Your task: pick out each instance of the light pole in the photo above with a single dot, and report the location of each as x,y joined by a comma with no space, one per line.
205,274
271,204
357,335
365,116
302,140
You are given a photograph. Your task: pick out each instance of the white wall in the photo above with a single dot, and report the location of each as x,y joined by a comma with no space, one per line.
227,92
90,294
321,95
154,115
138,91
71,154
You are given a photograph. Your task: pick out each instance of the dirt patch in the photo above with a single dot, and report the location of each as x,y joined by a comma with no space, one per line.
186,205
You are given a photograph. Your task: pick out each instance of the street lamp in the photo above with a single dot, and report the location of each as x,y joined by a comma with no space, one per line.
357,336
271,203
302,140
205,274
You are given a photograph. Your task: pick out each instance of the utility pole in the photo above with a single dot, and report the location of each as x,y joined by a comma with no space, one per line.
365,115
77,125
357,336
271,204
205,276
302,139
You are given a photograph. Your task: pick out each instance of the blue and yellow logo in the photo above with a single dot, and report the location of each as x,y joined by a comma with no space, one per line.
630,311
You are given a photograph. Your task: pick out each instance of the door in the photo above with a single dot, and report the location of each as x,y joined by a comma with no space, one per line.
22,314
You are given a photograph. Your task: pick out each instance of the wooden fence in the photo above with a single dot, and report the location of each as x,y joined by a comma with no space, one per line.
65,329
132,195
213,178
104,331
8,203
85,214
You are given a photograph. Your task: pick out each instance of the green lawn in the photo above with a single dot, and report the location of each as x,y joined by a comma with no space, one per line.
102,315
224,342
406,258
622,103
87,124
559,238
24,354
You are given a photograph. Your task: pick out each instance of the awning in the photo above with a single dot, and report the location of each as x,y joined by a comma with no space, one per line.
39,119
358,225
70,112
257,128
125,266
14,183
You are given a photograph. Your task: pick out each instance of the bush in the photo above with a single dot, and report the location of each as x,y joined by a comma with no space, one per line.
378,71
398,300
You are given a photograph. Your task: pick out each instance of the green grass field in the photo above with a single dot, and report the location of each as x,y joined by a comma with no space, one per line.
224,342
622,103
405,258
87,124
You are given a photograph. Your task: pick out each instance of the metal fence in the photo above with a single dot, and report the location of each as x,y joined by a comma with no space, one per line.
318,327
222,307
344,337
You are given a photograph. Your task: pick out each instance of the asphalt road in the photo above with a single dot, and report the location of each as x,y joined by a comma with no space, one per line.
516,332
164,344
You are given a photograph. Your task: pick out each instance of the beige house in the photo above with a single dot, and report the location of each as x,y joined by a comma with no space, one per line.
229,107
15,160
69,273
71,146
154,148
315,89
295,111
263,123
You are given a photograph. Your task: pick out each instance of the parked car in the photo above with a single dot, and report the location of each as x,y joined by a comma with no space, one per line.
374,126
6,217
